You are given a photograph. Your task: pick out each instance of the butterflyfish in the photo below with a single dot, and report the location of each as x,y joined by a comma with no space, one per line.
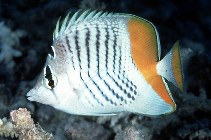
106,63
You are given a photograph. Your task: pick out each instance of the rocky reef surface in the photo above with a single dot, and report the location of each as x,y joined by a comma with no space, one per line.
26,29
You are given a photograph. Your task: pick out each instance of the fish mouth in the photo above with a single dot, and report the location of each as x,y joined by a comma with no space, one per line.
29,96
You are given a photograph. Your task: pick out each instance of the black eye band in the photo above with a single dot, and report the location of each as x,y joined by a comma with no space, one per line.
48,75
51,52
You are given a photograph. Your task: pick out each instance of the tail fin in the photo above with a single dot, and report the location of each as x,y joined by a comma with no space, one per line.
170,67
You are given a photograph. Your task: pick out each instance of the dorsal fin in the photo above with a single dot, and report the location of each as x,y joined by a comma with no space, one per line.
145,47
76,18
145,41
56,31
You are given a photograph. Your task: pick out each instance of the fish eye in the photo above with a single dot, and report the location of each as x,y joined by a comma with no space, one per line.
50,83
49,80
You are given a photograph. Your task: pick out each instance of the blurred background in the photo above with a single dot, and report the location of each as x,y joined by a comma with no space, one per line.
26,29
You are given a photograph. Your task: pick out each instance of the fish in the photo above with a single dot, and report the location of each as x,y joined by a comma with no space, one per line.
104,63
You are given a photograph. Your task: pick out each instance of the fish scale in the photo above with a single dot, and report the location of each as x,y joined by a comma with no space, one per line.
89,79
112,73
106,63
114,69
101,65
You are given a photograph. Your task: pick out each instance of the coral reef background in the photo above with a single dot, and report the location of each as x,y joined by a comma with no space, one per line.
26,28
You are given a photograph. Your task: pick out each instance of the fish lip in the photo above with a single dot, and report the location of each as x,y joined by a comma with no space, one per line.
29,96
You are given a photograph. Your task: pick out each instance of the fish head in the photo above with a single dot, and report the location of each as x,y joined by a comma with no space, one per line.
52,87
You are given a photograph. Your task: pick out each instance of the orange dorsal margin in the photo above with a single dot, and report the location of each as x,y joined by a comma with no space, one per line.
144,51
176,65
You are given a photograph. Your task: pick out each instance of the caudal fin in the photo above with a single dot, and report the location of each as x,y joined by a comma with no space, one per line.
170,67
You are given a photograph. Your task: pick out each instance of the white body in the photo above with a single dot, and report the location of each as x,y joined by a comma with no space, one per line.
93,70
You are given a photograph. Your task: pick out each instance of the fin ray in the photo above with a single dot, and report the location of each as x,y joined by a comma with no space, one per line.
145,48
170,67
156,100
159,86
78,17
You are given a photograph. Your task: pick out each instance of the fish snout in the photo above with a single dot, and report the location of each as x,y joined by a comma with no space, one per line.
29,95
